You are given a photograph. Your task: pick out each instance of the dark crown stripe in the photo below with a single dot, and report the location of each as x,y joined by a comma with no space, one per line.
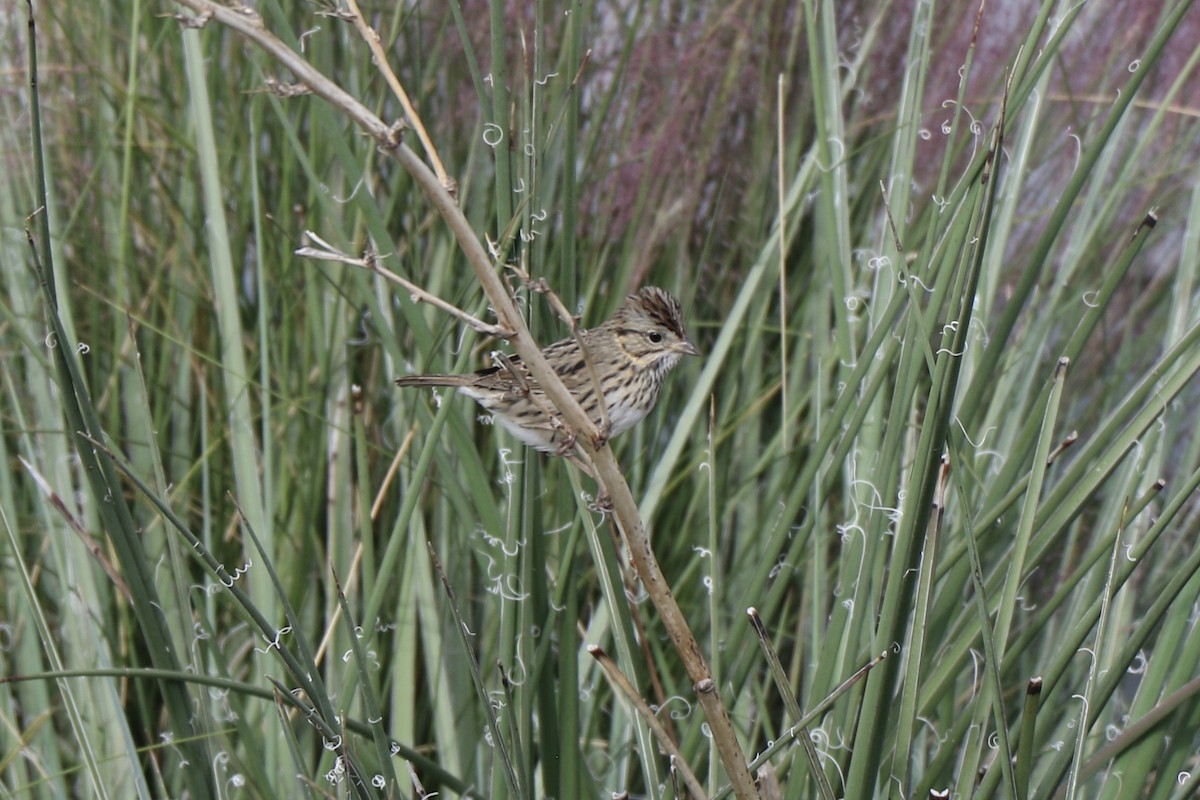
662,308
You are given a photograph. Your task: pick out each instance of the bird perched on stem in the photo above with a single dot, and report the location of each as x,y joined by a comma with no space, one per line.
627,357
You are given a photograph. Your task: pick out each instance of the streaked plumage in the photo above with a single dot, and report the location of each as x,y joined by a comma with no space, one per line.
632,353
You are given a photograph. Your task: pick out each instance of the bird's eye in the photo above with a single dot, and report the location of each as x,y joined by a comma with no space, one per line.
654,336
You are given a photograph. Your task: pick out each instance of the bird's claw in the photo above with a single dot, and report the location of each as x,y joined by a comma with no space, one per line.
567,445
603,503
601,437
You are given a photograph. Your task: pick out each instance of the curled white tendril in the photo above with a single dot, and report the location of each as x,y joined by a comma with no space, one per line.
982,439
674,713
952,353
1084,701
851,73
974,126
308,33
980,329
938,737
1140,450
830,742
6,637
845,529
507,461
833,160
519,674
878,263
1078,149
516,545
493,134
904,280
273,644
349,197
508,589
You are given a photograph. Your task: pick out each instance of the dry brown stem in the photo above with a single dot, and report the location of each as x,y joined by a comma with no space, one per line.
247,22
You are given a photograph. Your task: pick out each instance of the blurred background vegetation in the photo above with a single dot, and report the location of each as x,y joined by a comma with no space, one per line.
883,403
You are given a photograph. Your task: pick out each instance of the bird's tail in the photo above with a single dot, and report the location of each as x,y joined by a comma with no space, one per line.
433,380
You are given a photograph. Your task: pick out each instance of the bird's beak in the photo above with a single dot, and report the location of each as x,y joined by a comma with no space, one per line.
687,348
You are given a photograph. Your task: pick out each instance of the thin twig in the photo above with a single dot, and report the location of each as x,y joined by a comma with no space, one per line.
410,112
619,681
370,262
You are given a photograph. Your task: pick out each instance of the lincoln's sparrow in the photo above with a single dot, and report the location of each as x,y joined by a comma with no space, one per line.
632,352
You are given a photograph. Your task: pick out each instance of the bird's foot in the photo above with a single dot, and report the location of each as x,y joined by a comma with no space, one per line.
566,441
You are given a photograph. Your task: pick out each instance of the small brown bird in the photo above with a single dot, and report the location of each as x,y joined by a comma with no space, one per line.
632,353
